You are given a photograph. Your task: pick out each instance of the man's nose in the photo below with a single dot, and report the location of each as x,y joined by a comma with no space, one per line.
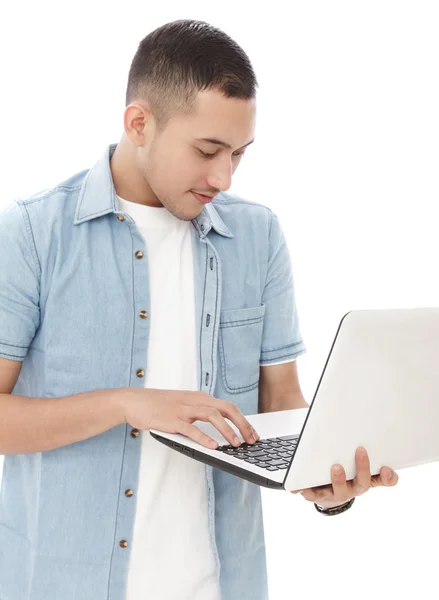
221,178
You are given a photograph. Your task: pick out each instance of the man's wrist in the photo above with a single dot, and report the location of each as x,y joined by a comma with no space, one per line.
118,400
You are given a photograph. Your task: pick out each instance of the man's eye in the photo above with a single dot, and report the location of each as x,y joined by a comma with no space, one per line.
207,155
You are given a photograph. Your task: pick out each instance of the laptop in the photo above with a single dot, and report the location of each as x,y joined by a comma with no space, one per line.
379,389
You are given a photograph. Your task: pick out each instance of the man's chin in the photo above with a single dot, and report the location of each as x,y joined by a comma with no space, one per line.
186,216
186,211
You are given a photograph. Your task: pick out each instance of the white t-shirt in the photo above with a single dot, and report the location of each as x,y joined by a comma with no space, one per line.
171,553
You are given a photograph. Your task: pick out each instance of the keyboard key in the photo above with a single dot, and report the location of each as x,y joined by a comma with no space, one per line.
272,469
258,454
288,437
275,463
262,464
251,460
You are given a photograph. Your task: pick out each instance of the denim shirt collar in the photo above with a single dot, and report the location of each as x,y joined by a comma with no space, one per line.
98,198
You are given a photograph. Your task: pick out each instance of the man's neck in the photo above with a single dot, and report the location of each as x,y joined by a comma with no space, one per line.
127,179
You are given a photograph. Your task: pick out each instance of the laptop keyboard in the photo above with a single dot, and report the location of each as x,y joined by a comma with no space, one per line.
272,454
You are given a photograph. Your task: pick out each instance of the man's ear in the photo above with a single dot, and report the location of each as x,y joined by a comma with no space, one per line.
139,123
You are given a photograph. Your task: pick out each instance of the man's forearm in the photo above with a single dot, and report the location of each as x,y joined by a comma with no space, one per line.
40,424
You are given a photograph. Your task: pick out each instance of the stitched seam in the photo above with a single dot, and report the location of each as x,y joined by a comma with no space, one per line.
60,188
12,345
282,347
233,390
229,388
30,234
12,356
134,305
96,214
117,510
242,322
202,318
218,283
295,355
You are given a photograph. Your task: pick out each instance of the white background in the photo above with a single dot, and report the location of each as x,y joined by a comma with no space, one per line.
346,154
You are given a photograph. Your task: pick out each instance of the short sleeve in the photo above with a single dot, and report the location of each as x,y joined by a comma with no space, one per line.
19,283
281,338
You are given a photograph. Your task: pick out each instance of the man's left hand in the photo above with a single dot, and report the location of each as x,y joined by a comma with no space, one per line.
341,490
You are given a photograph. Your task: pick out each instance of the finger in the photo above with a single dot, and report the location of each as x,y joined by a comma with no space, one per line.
339,485
233,413
361,482
321,494
212,415
309,494
387,477
195,434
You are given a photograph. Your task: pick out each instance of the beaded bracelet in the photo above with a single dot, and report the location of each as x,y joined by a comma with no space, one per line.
336,510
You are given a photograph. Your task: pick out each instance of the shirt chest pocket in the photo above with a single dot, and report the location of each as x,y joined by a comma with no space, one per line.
240,338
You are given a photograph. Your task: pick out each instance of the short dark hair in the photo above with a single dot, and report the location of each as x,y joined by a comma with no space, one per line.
177,60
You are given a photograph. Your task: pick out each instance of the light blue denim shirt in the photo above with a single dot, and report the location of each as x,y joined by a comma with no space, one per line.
73,281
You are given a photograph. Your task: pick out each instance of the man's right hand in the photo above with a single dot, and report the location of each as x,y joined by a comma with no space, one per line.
174,411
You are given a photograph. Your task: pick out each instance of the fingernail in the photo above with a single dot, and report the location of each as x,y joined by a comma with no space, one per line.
237,440
337,470
390,475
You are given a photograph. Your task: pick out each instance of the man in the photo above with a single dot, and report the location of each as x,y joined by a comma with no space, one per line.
136,295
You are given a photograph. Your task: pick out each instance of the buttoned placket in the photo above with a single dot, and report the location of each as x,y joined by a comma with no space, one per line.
209,290
209,293
125,515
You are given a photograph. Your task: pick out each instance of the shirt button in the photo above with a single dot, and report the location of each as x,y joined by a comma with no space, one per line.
134,433
143,314
121,218
129,493
139,254
123,544
140,373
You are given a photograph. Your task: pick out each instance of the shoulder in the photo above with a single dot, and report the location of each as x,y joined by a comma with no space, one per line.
47,203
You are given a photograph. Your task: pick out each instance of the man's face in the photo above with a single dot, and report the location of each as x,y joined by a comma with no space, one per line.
173,163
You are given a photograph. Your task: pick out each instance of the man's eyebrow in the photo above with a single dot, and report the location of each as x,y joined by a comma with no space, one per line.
220,143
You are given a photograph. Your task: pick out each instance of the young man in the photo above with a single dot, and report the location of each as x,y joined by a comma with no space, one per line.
135,295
